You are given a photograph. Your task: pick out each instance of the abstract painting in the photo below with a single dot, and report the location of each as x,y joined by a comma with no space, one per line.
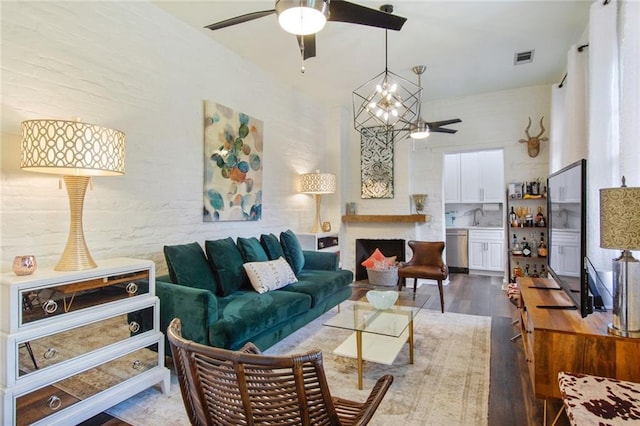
376,163
233,147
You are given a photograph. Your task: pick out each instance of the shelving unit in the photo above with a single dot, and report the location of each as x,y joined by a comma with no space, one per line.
525,231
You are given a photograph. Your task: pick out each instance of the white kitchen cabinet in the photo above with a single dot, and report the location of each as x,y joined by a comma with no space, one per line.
452,178
482,177
566,253
486,249
62,330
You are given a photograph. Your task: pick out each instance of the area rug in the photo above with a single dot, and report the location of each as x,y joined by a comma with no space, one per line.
447,385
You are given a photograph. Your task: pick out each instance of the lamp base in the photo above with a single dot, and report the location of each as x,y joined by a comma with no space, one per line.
626,296
76,256
316,222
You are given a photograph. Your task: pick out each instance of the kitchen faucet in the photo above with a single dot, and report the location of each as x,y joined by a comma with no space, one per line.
475,217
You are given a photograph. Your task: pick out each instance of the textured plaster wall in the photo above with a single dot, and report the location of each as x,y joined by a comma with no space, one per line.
130,66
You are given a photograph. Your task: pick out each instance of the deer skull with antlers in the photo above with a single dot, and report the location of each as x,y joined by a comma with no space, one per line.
533,142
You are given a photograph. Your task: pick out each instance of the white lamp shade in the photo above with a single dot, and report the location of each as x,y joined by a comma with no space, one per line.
72,148
302,17
318,183
619,218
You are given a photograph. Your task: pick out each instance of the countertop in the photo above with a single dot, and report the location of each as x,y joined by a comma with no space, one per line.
468,228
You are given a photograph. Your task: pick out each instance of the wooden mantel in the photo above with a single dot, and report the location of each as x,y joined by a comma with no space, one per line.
385,218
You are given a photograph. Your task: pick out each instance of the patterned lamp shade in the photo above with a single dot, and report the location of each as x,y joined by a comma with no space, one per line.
620,218
72,148
318,183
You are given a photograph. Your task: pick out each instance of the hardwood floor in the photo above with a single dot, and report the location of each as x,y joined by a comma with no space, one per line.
511,401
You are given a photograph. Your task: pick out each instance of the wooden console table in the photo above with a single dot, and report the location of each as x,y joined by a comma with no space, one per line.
561,340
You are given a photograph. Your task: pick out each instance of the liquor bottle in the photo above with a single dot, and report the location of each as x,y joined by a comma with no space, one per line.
526,270
513,220
535,274
517,271
516,249
526,250
539,217
542,247
534,245
543,272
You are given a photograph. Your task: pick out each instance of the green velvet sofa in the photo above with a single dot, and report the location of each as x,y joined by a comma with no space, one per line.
217,304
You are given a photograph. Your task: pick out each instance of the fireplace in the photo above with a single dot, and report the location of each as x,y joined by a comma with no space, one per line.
366,247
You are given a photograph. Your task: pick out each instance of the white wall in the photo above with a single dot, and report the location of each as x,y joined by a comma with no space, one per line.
489,121
130,66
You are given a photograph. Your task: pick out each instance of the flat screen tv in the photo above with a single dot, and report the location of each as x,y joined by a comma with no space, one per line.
567,225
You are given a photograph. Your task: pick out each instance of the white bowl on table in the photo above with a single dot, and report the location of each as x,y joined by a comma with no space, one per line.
382,299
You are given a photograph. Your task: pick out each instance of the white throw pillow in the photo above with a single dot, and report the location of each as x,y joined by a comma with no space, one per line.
270,275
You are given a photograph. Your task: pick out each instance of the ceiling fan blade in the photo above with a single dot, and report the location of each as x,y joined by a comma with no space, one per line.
441,130
309,46
344,11
240,19
436,124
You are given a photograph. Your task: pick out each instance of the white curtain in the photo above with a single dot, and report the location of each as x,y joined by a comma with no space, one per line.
556,131
603,161
629,24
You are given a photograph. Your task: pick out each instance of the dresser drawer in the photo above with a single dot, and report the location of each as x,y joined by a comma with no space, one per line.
46,302
47,351
46,401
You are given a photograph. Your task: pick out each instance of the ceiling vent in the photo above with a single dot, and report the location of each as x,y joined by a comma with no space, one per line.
523,57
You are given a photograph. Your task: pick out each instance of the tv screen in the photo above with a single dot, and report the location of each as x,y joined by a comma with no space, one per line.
567,224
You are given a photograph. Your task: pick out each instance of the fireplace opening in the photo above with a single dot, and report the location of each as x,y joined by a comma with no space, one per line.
366,247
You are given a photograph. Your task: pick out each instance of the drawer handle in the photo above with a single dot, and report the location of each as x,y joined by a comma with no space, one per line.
134,327
50,306
137,365
132,288
51,353
54,402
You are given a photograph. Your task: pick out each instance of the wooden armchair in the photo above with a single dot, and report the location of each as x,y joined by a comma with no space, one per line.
244,387
426,263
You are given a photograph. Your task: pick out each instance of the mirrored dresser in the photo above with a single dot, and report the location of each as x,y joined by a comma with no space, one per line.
73,344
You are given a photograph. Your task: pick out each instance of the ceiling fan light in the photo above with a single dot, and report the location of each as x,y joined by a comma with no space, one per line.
419,130
302,17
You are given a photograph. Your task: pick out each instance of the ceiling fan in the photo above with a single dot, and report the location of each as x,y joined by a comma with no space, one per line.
421,129
304,18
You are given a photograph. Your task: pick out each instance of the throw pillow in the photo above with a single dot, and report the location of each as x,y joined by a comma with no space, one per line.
226,262
271,246
376,256
270,275
292,250
188,266
251,250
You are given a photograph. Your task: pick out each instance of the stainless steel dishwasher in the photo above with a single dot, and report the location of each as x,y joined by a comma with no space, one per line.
458,250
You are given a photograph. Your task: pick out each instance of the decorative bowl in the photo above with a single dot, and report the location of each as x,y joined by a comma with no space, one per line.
382,299
24,265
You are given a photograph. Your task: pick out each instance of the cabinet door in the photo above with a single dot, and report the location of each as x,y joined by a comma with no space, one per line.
470,178
495,256
492,176
476,255
452,178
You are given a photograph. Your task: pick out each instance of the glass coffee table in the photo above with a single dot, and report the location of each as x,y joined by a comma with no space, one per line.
378,335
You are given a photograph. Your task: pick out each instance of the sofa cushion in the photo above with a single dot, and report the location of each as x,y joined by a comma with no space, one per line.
251,250
320,284
292,250
269,275
245,314
271,246
188,266
226,262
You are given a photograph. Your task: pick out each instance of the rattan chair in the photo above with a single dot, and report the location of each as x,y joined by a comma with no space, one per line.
223,387
426,263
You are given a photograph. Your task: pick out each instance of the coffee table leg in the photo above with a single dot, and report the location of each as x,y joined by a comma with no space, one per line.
411,342
360,362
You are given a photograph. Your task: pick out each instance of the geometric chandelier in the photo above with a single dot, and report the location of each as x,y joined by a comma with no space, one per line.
387,100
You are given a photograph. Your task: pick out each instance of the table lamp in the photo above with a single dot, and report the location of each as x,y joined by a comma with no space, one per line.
317,184
77,151
620,229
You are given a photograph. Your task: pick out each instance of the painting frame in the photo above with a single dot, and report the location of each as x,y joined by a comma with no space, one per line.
376,163
233,165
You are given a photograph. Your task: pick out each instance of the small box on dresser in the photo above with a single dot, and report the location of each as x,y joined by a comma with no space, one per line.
59,331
